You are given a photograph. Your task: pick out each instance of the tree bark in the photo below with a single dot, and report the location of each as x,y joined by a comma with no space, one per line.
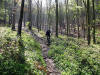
88,21
66,2
30,14
78,20
56,18
14,10
21,18
5,13
38,15
94,40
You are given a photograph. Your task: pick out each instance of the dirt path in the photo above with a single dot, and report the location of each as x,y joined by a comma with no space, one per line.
52,70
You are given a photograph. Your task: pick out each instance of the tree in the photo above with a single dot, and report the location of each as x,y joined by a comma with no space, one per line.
48,3
38,15
14,10
78,19
94,40
61,18
30,14
66,3
88,21
10,14
56,18
5,16
21,18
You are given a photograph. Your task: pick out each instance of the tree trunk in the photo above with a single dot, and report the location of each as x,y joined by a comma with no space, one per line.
10,15
78,20
38,16
14,10
94,40
88,21
67,30
30,14
56,18
5,13
21,18
24,19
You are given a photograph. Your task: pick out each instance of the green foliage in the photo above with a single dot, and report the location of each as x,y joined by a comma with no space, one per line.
75,57
40,33
97,36
18,55
27,23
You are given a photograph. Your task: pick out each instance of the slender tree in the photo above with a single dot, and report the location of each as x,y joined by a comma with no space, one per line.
78,19
56,18
24,18
5,16
94,40
38,15
30,14
66,3
10,14
13,20
88,21
61,18
21,18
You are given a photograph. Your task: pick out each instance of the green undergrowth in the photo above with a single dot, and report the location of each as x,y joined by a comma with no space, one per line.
98,36
40,33
75,57
18,56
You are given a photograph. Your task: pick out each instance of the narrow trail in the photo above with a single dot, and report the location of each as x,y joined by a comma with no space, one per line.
52,70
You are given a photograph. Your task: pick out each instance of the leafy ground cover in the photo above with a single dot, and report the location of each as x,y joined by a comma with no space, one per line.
19,56
40,33
75,57
98,36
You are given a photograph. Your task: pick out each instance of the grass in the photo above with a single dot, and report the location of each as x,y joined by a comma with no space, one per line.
18,56
75,57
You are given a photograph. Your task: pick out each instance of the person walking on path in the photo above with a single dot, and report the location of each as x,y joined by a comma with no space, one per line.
48,35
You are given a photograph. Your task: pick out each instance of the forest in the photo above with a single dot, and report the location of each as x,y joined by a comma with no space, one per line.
49,37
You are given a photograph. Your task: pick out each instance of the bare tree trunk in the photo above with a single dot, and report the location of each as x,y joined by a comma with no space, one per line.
21,18
88,21
10,14
5,12
24,19
94,40
14,10
56,18
38,16
30,14
78,20
67,30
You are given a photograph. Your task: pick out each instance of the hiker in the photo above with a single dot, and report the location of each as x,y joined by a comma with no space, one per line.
48,32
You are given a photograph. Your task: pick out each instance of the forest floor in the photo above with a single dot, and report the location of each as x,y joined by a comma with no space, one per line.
52,70
20,56
31,56
73,56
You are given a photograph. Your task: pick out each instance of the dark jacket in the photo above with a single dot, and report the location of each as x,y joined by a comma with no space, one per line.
48,33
